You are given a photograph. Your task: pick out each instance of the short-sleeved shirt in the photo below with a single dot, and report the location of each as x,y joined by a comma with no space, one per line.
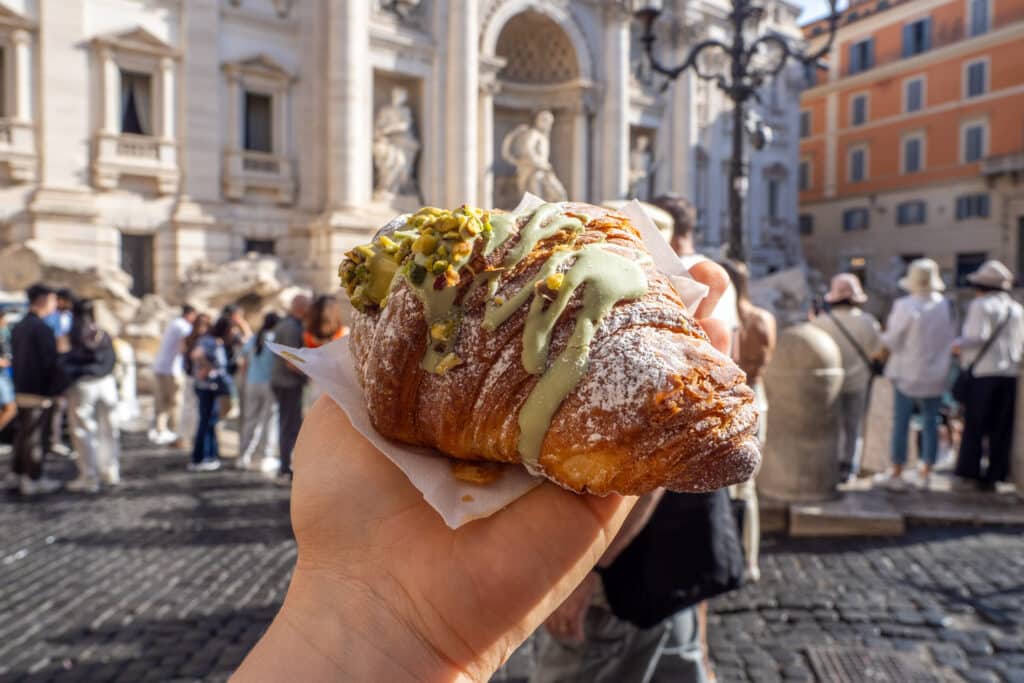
168,358
59,322
261,363
865,330
287,333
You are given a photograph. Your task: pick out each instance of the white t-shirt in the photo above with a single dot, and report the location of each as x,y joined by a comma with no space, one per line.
1003,357
919,336
168,358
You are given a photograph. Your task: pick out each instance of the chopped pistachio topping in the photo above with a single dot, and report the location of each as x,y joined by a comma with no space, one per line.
447,363
554,281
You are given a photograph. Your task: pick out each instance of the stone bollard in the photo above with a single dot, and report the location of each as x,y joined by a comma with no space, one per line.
801,459
1017,454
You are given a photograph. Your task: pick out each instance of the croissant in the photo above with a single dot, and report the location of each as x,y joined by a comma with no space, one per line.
547,339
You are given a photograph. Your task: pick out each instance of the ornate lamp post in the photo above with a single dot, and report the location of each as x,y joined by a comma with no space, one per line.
752,58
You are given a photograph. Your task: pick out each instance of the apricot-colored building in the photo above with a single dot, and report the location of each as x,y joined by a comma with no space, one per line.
912,139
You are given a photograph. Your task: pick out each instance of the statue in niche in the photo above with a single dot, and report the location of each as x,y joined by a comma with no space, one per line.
528,148
640,163
395,147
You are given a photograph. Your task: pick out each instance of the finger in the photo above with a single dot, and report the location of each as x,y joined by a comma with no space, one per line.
717,280
718,332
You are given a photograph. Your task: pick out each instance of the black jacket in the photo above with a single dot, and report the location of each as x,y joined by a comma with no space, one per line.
89,361
34,357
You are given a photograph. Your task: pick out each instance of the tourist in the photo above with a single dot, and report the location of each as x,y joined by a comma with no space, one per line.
379,577
755,345
287,382
918,337
36,382
207,364
323,322
92,401
168,371
60,322
990,349
259,419
859,338
234,332
8,406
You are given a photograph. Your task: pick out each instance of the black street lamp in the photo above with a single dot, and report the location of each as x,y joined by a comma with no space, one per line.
752,59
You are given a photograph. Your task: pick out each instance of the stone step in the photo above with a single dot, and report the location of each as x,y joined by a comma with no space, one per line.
852,514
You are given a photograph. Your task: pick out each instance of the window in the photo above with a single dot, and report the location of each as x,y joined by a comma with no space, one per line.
259,246
979,10
136,103
258,122
855,219
911,213
774,189
805,175
862,56
806,224
966,264
913,153
913,94
805,124
858,110
858,164
976,78
972,206
973,141
137,261
917,37
857,265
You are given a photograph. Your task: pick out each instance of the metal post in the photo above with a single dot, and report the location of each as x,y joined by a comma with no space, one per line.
737,182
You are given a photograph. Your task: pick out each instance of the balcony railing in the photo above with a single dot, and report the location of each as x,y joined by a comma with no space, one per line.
138,146
261,163
120,155
1003,164
247,172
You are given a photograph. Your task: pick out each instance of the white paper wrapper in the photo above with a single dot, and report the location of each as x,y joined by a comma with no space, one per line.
331,367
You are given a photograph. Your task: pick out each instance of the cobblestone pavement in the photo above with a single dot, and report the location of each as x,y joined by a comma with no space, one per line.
174,576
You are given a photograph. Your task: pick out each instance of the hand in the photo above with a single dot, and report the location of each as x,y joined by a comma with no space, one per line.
383,590
566,622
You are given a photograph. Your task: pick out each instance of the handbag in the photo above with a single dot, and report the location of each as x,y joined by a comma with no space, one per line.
875,366
962,384
688,552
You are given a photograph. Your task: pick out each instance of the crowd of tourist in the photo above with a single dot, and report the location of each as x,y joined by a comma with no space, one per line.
61,373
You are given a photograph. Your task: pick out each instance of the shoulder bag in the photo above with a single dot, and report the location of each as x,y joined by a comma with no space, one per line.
875,367
964,380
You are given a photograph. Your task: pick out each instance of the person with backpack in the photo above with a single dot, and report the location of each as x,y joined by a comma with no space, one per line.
990,351
92,401
209,367
259,419
858,335
918,336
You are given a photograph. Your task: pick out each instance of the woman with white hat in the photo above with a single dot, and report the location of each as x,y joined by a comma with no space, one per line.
858,336
991,348
919,335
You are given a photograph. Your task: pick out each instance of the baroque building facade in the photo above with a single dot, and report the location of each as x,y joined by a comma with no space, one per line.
153,134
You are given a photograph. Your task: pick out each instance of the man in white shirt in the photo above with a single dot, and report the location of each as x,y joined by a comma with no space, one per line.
167,366
919,336
989,408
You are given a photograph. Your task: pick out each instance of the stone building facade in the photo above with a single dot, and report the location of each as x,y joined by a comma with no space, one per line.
156,133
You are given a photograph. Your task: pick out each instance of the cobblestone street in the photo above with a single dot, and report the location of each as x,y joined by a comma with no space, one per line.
174,576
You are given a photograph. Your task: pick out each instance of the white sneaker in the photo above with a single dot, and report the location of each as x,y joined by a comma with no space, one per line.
888,480
166,437
37,487
83,485
111,477
270,465
61,450
208,466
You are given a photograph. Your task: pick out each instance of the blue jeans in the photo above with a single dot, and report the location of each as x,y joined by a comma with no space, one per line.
205,446
903,410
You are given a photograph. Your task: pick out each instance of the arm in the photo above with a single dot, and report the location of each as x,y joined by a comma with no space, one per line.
896,326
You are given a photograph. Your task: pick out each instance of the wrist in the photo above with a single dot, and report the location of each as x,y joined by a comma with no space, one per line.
332,629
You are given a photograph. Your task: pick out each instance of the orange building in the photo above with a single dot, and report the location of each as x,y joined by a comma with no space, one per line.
912,140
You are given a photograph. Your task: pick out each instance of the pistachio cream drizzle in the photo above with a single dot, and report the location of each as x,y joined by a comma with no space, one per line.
442,244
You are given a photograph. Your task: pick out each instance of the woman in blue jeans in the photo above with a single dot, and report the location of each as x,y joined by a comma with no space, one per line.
919,337
209,362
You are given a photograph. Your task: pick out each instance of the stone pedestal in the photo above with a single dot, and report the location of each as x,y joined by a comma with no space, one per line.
1017,455
803,381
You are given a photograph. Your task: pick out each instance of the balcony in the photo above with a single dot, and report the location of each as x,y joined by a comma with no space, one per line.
18,150
1011,164
139,156
258,173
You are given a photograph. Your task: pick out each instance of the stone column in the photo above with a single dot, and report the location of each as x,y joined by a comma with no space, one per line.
485,192
111,93
580,179
684,138
463,90
22,76
234,112
168,98
614,116
350,104
202,131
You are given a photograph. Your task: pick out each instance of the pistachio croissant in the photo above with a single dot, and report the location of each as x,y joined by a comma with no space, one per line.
547,339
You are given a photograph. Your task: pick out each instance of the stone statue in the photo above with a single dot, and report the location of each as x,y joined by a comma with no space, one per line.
395,147
640,161
528,148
